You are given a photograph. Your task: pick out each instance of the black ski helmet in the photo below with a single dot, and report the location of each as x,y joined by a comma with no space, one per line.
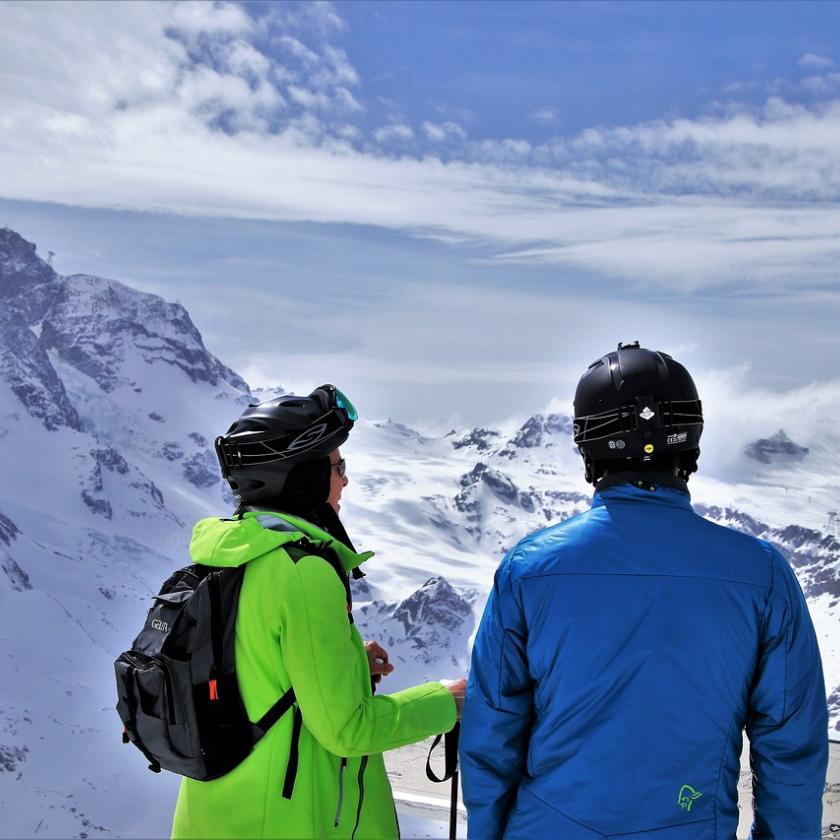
637,405
261,448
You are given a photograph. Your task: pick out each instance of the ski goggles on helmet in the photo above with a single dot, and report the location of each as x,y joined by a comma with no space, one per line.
334,400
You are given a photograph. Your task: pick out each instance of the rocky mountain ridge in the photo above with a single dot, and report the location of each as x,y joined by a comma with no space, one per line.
109,402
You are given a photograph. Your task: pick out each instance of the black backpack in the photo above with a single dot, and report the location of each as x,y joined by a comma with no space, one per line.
179,698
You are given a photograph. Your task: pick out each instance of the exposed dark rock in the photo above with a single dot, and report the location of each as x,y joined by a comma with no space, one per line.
435,607
834,707
530,434
567,496
109,458
153,415
172,450
501,485
559,424
27,369
97,505
93,324
21,269
481,439
11,757
815,556
777,448
8,530
732,518
474,475
361,589
535,429
18,578
797,536
198,439
152,489
93,493
202,469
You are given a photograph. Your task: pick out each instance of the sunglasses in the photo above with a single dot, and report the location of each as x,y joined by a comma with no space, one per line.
341,466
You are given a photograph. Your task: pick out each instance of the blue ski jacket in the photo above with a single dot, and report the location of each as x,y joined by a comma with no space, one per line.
620,657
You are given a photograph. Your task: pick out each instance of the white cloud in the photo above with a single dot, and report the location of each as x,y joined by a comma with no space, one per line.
298,49
506,151
814,60
309,99
827,83
117,115
197,17
243,58
394,133
738,413
549,115
441,132
343,70
346,102
319,16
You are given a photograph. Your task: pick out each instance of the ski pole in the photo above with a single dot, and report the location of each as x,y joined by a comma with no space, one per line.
450,771
453,803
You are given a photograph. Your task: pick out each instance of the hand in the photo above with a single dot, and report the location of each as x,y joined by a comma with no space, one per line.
457,688
378,661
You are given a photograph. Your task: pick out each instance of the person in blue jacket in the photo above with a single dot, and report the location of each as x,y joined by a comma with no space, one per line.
623,652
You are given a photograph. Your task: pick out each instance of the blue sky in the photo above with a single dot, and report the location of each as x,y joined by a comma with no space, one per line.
450,209
604,64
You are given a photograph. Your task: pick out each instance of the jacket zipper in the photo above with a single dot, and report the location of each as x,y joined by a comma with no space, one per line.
341,769
362,765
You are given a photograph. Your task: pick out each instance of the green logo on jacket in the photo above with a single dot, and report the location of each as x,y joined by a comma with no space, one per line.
687,797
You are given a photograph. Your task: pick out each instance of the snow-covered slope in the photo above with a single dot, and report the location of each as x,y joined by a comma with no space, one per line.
109,403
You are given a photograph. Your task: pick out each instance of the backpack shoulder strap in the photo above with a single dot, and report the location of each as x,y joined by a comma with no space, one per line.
305,548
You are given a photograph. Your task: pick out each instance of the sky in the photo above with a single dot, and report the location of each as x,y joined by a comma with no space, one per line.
448,209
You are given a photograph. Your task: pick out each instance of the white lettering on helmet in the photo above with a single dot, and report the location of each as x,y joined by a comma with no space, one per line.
310,436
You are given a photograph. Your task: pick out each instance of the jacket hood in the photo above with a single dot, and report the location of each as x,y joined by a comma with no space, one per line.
228,543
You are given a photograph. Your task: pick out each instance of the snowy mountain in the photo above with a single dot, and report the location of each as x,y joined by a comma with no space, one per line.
778,448
109,402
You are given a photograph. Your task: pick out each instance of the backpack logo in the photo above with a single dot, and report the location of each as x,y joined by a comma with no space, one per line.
646,413
687,797
160,625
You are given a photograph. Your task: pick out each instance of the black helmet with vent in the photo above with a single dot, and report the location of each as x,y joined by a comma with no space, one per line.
270,439
637,408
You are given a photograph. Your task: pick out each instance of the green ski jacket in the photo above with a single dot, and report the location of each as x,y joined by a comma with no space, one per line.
293,629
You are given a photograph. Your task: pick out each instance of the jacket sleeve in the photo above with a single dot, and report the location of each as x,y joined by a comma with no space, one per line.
323,656
498,712
788,720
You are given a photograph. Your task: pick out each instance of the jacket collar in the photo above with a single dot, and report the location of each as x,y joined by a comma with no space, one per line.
300,527
654,487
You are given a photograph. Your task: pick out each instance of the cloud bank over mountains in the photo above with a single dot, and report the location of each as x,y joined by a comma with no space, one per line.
220,109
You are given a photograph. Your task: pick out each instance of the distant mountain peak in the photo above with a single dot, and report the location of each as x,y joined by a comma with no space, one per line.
533,431
480,438
14,246
775,448
21,269
98,326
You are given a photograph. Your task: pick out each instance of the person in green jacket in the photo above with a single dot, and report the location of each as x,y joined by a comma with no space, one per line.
318,772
